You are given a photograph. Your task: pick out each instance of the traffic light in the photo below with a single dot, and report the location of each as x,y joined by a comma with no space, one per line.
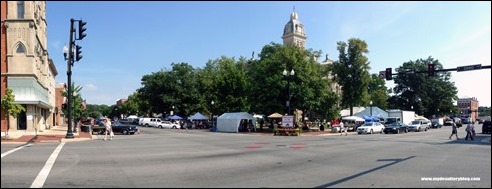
78,53
431,69
82,29
389,74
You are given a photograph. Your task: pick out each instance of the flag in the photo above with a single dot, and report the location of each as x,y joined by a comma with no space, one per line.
83,105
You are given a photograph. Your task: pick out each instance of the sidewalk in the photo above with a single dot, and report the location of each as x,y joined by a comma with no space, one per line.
55,134
304,133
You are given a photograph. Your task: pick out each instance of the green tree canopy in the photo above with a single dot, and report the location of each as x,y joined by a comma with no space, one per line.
425,94
352,73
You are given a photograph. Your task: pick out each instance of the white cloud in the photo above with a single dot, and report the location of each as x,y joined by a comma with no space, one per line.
89,87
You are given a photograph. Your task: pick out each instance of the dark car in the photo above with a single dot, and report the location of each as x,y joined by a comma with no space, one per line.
486,126
98,129
435,125
396,127
119,127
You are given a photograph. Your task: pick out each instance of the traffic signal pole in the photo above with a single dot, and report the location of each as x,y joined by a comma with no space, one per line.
71,48
69,76
390,75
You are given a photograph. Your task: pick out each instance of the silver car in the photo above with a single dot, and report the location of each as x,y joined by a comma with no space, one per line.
417,125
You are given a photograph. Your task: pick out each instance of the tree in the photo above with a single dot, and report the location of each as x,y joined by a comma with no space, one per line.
233,84
378,92
310,91
77,108
351,72
131,106
421,91
10,107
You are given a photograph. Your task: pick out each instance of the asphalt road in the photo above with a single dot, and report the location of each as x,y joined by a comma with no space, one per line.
180,159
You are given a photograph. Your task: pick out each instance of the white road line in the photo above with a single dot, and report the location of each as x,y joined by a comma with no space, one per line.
15,149
43,174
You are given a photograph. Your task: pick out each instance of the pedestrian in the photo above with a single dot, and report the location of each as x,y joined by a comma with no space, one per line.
454,130
343,129
470,131
109,130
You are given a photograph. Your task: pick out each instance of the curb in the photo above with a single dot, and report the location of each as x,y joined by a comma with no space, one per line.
486,140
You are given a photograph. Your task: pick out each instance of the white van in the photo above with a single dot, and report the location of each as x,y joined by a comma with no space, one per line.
149,122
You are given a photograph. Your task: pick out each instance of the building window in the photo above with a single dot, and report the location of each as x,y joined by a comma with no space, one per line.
20,9
20,49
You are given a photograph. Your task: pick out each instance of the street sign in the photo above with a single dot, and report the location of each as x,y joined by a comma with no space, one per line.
382,74
288,121
469,67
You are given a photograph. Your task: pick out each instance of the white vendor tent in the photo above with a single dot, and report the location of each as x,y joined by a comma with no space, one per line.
353,118
198,116
229,122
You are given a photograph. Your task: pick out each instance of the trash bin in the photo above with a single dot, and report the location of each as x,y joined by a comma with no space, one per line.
85,128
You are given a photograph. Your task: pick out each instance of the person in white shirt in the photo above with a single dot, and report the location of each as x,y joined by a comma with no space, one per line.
343,129
109,130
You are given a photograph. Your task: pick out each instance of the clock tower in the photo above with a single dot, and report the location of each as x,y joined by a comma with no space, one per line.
294,31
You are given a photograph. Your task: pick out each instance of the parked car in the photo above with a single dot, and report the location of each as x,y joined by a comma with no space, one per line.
486,126
370,127
98,129
396,127
122,128
168,125
435,125
448,122
417,126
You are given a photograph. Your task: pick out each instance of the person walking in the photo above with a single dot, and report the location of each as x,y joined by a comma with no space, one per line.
343,129
454,131
470,131
109,130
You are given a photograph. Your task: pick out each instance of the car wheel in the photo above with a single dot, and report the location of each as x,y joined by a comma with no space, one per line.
372,131
381,131
146,125
160,126
125,132
174,127
398,131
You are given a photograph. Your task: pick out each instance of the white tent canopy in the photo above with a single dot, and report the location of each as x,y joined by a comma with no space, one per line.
353,118
132,117
198,116
230,122
346,112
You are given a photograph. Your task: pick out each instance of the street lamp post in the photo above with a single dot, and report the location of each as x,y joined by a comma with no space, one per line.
371,106
288,88
212,111
76,124
69,51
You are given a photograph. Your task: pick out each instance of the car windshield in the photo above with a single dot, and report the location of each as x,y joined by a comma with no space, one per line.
368,124
394,125
415,122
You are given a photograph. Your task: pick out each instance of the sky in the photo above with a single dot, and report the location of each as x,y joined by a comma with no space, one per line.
127,40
